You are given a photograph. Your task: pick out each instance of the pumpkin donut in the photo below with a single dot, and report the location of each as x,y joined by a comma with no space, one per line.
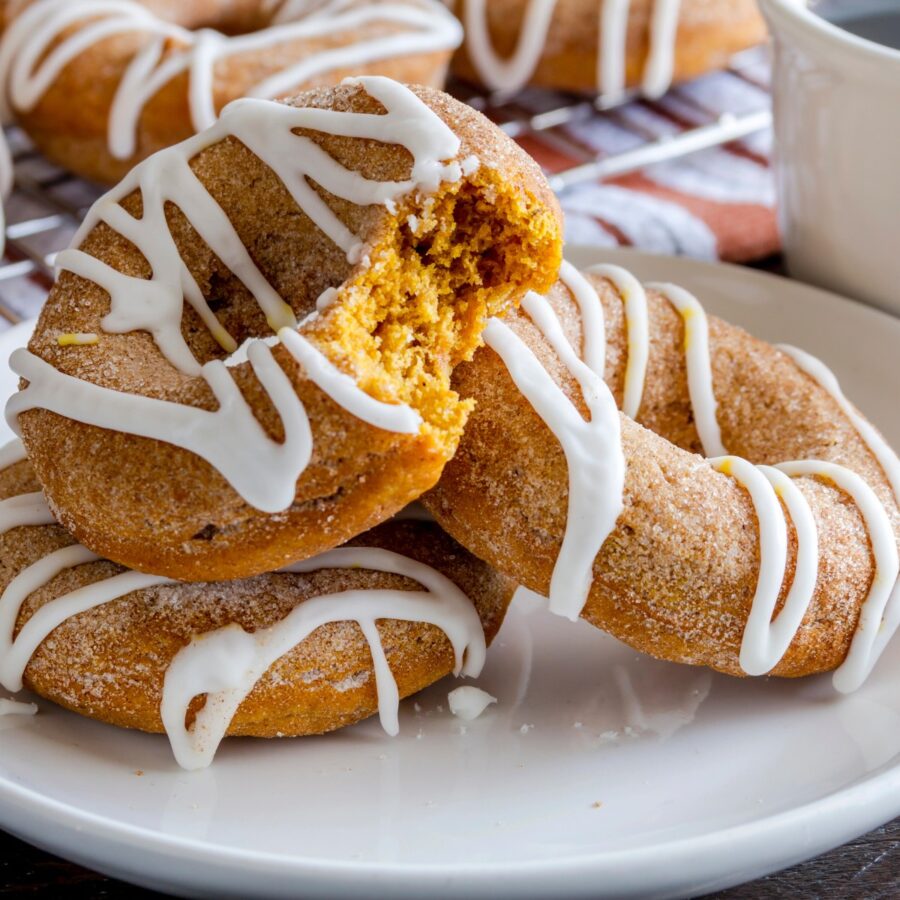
338,255
99,85
314,648
788,566
606,47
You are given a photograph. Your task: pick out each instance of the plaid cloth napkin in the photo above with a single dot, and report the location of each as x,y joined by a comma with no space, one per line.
713,204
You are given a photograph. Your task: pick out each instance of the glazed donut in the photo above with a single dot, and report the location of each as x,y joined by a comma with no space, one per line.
99,85
684,558
174,438
314,648
605,47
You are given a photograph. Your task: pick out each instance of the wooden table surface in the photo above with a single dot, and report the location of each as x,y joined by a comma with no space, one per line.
868,867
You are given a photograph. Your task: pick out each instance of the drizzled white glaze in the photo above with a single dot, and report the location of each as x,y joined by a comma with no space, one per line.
264,472
513,73
469,702
765,641
593,326
26,509
861,658
15,654
16,708
227,663
592,447
637,333
660,64
696,348
261,470
699,366
870,652
881,450
398,417
29,70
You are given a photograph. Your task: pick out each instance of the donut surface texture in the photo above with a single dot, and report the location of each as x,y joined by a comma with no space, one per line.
148,651
680,573
601,46
268,375
99,85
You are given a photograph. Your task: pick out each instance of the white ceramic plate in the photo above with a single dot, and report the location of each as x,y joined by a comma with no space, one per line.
600,773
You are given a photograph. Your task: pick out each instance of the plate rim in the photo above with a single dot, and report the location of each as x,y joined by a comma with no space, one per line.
873,798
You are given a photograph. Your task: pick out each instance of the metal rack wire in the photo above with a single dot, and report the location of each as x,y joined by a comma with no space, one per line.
48,204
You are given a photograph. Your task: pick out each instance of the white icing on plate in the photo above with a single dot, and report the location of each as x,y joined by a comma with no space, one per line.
469,702
456,815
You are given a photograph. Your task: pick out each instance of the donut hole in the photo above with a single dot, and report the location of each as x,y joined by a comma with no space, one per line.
417,306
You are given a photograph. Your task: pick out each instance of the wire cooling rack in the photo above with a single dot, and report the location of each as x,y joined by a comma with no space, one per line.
48,204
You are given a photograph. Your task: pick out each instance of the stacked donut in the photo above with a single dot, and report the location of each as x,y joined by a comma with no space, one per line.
240,379
701,495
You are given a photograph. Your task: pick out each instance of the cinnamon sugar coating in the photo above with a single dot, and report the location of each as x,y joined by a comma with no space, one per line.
677,576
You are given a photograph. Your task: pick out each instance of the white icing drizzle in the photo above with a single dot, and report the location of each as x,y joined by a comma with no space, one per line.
699,367
29,70
592,447
881,450
469,702
11,453
660,64
25,509
890,465
861,658
262,471
15,654
593,325
17,708
766,641
696,348
637,333
226,664
513,73
398,418
611,59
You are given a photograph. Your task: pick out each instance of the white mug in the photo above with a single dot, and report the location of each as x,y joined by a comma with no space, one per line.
837,158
